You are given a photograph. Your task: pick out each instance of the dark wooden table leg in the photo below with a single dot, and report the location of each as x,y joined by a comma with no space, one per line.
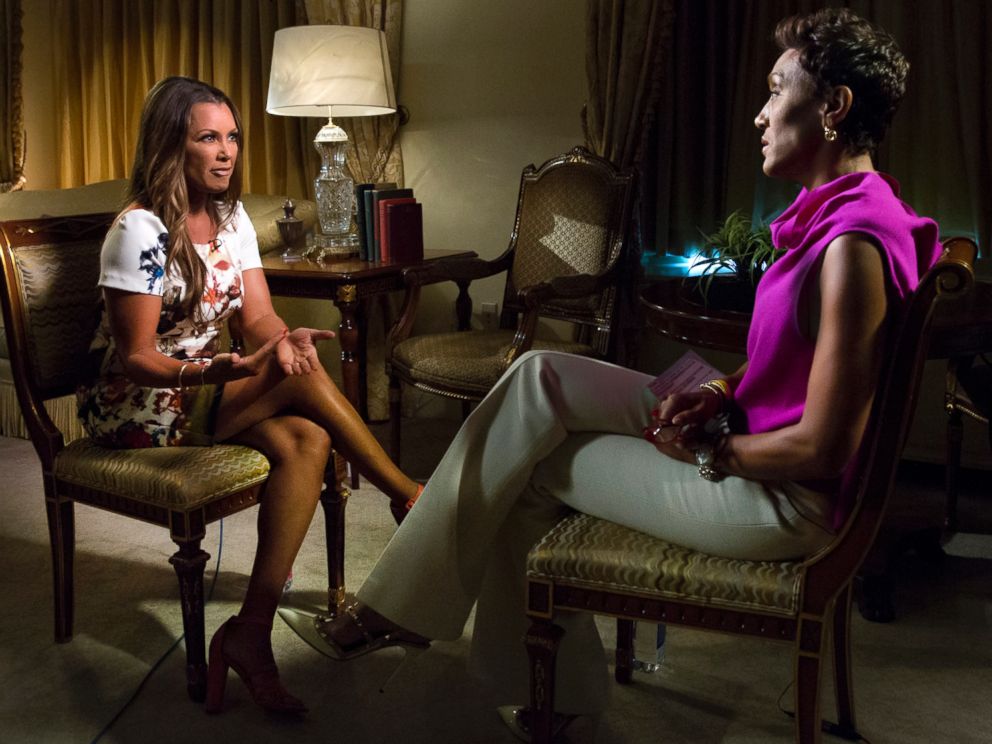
346,300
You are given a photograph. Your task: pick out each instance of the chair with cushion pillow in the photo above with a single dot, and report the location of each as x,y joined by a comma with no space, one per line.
586,564
49,296
567,260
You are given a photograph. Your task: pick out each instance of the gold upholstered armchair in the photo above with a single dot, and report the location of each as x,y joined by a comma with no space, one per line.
49,296
567,260
586,564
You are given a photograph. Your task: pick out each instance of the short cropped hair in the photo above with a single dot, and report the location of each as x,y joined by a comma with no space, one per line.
837,47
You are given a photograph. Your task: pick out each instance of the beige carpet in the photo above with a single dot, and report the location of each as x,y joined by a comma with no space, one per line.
926,678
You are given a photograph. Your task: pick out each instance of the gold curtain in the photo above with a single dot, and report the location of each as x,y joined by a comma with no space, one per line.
113,51
375,153
11,112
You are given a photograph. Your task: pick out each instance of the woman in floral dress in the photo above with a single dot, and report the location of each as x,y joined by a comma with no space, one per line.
180,261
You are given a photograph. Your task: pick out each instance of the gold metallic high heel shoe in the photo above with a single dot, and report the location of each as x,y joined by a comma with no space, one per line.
314,630
262,682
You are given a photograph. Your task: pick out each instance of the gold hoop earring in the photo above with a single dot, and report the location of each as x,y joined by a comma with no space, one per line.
830,135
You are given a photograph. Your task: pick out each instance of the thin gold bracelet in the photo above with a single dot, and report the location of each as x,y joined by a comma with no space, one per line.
720,385
181,370
203,374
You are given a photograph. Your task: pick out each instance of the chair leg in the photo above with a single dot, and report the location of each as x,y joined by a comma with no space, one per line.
395,416
624,671
62,537
334,499
189,561
808,653
955,434
842,665
542,641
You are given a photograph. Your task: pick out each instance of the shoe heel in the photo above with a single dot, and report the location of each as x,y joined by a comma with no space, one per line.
410,654
216,674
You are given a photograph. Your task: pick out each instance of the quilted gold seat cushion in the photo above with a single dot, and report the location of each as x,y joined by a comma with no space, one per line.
470,360
596,554
170,477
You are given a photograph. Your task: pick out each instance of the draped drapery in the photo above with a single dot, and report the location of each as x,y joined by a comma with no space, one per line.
626,45
375,154
11,112
704,160
113,51
940,146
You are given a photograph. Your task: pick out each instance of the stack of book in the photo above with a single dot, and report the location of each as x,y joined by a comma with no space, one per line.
390,223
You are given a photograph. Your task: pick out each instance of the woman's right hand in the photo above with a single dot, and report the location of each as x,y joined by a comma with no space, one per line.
678,420
694,408
228,367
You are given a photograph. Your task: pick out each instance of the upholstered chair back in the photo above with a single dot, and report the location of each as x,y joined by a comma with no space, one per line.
52,273
568,222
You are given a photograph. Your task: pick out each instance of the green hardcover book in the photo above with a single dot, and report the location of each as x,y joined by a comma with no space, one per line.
369,218
360,190
362,205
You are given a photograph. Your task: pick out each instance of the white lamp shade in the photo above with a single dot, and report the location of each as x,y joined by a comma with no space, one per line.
329,71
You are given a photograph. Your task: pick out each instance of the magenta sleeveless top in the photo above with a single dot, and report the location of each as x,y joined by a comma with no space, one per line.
772,393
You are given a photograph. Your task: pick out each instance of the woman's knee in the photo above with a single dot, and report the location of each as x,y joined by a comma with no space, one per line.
297,438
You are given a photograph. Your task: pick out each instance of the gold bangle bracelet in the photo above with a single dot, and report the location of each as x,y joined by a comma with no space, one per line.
203,374
181,370
721,389
722,385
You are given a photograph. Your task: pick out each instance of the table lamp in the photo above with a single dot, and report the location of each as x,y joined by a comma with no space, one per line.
331,71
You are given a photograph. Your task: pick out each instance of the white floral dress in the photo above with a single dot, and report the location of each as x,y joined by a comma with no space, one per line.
115,411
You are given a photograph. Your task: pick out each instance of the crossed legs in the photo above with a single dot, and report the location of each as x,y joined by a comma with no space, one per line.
294,421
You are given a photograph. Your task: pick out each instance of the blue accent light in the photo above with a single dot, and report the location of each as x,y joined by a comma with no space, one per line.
687,264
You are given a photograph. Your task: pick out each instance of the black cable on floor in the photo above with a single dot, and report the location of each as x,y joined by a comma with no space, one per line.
163,657
828,727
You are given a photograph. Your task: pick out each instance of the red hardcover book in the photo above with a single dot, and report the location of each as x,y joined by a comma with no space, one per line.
381,226
405,227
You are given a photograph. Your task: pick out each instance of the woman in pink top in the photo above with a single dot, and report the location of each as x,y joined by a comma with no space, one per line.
560,432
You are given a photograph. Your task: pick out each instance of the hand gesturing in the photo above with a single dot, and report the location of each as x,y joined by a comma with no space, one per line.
227,367
297,353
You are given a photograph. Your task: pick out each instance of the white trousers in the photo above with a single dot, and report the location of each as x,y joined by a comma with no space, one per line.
559,432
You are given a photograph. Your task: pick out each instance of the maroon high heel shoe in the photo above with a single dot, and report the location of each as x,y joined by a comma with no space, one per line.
263,682
401,508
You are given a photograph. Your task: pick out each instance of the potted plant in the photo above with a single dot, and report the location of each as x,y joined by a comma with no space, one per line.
737,255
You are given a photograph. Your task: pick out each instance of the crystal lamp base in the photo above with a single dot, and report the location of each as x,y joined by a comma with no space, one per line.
339,246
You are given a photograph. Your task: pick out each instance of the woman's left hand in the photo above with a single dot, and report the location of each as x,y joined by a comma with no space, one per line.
297,353
677,450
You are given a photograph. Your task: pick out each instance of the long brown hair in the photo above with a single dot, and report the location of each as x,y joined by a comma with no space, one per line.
158,180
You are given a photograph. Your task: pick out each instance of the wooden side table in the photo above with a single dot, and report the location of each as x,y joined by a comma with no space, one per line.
349,283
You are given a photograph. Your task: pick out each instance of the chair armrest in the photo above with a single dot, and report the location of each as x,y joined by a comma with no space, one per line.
455,269
565,287
562,287
462,271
